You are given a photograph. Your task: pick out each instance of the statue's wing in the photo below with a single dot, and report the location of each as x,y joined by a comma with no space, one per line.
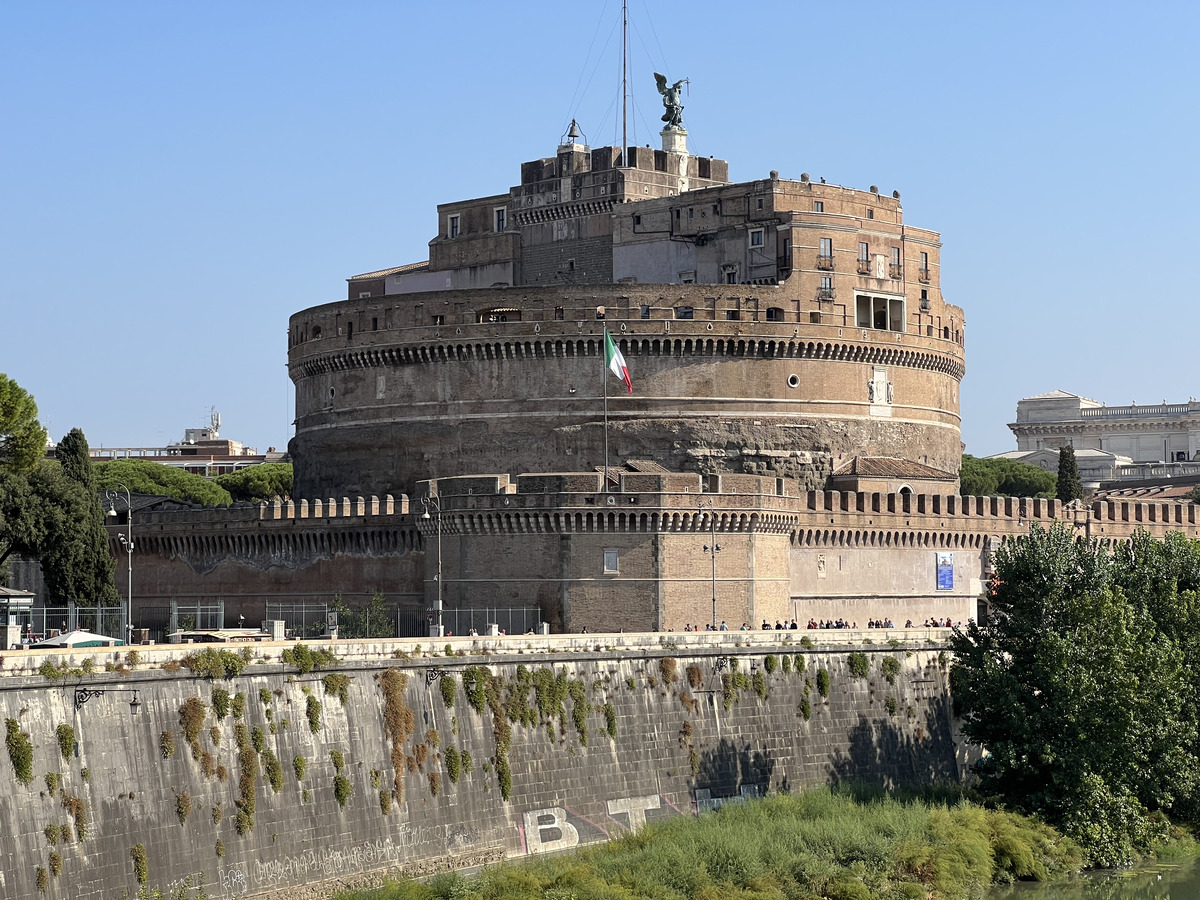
661,80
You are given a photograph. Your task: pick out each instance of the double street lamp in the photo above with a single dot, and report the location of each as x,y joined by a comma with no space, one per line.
126,540
434,502
712,549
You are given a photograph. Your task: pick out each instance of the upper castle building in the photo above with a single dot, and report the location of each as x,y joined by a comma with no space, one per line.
772,327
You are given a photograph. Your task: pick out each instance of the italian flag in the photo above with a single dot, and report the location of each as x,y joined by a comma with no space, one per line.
615,361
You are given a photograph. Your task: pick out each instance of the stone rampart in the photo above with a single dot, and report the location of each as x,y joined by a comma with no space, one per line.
274,780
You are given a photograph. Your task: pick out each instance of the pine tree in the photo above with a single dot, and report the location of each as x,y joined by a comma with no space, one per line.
77,563
1070,487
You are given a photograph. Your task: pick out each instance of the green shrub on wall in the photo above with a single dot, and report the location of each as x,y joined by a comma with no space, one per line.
823,682
448,688
20,751
66,740
890,666
858,664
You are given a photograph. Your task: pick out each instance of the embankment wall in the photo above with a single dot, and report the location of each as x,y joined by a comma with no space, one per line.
573,742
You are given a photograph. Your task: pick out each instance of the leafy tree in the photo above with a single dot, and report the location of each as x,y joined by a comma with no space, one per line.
1003,478
144,477
1083,698
267,481
76,561
1194,494
22,437
1069,485
374,619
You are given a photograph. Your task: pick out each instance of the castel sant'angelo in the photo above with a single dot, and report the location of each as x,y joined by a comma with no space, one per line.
796,375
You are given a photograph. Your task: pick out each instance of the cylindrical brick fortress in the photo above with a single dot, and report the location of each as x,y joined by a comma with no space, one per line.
741,379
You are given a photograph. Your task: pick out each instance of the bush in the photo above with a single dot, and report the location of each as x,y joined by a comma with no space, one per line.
771,663
890,666
667,666
448,688
220,702
138,854
453,764
610,720
307,660
312,708
337,685
823,682
299,764
342,789
212,663
695,676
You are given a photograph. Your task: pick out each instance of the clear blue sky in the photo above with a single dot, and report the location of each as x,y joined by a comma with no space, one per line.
179,178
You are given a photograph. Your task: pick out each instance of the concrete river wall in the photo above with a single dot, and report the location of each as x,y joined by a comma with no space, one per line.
402,760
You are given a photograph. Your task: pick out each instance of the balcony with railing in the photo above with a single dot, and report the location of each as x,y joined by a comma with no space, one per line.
825,293
825,262
895,270
864,266
923,275
1161,410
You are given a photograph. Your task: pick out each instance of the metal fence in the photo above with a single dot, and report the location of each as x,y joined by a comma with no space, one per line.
162,621
300,619
44,622
511,620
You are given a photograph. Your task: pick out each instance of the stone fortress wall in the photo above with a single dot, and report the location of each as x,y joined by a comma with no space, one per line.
540,540
393,390
266,783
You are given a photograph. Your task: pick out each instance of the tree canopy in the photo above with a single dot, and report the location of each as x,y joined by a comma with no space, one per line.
1068,485
76,561
1083,686
142,476
1003,478
22,437
267,481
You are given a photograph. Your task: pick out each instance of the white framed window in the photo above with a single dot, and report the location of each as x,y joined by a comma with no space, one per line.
362,295
685,312
453,228
818,206
499,217
884,313
757,236
611,561
864,251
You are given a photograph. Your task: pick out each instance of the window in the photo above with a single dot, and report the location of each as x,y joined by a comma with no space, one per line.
558,313
439,320
732,315
454,226
756,237
349,329
645,310
864,250
610,562
730,272
374,323
760,203
637,220
684,312
774,314
499,218
689,212
818,206
826,290
870,213
879,313
895,270
923,272
924,300
362,295
825,257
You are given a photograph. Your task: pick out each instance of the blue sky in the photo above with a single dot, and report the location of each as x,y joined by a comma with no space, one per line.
179,178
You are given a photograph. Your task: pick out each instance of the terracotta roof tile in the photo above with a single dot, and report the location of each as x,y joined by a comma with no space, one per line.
888,467
395,270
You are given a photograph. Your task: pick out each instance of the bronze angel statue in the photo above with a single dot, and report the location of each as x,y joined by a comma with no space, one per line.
671,95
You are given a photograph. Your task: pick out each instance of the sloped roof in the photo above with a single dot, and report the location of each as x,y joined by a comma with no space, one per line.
890,467
395,270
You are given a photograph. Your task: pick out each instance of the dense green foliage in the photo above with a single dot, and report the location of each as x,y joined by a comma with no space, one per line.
267,481
1003,478
820,843
1084,686
374,619
1068,486
22,437
76,561
144,477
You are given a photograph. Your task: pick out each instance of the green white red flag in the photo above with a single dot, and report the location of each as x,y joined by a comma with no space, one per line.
615,361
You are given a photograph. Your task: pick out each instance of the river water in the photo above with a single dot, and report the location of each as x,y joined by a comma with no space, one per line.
1174,879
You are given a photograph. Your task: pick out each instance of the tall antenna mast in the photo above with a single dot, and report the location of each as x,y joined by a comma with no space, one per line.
624,94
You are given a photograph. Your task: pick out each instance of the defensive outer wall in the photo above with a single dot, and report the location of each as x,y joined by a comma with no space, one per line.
756,380
541,540
575,740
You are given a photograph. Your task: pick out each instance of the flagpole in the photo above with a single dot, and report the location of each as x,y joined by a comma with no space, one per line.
604,375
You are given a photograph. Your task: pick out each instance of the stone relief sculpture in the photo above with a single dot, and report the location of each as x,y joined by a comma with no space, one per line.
672,101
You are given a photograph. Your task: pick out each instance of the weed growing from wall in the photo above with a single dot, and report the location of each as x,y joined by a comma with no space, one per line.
376,778
183,806
307,660
435,783
43,879
668,667
258,739
299,764
890,666
630,683
238,705
468,762
214,735
312,709
248,765
53,834
695,676
890,705
166,744
858,664
580,709
433,739
760,685
217,814
20,751
52,780
787,664
264,696
398,720
220,849
504,776
805,708
212,663
799,663
138,854
771,663
385,802
272,769
610,720
453,764
337,685
448,688
55,863
76,808
475,679
66,740
693,761
342,789
823,682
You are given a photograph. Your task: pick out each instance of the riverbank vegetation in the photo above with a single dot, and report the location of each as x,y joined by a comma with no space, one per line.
843,844
1084,688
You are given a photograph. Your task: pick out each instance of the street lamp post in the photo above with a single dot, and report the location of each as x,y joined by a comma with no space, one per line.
435,502
127,542
712,549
